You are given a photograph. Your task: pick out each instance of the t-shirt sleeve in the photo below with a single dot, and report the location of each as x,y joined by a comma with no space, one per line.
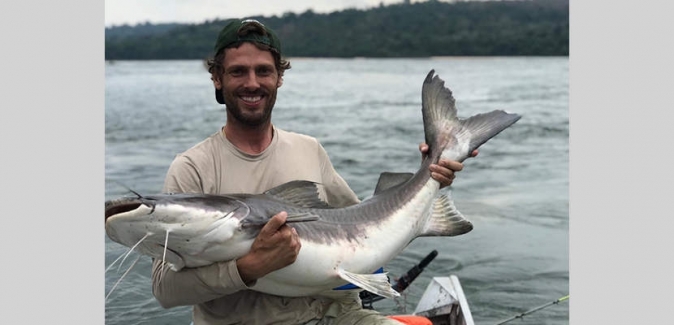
338,192
183,177
191,286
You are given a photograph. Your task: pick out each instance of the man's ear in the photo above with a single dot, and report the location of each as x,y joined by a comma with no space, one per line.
279,83
216,82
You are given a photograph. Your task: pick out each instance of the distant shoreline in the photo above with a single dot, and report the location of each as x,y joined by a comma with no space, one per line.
427,29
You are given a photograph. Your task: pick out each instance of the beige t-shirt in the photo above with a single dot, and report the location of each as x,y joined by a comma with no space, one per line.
215,166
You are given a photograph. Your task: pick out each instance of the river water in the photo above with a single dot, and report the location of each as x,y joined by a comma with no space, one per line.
367,115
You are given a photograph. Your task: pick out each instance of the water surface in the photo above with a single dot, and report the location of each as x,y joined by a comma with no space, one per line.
367,114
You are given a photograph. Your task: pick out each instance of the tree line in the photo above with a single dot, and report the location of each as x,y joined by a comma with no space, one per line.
432,28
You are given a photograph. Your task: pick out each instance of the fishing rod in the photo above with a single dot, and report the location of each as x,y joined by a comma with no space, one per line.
534,310
402,283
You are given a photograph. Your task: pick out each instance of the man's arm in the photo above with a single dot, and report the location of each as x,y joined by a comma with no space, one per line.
191,286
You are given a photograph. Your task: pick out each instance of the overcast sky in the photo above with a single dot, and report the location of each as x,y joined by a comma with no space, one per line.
118,12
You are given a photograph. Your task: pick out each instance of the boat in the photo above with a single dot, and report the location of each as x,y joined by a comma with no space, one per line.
444,303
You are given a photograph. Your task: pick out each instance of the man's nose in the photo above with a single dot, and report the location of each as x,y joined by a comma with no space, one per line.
251,81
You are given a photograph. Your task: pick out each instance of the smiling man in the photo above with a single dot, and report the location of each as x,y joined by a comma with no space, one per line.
251,155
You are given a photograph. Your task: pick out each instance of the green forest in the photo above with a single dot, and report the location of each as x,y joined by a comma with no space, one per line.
431,28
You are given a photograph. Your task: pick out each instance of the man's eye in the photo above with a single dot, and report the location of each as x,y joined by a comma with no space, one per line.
264,71
236,72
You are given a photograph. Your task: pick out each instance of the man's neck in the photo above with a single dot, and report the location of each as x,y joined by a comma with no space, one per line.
251,140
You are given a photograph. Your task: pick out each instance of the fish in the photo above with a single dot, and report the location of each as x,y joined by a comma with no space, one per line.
340,246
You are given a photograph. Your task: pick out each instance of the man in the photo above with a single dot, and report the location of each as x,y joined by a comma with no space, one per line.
250,155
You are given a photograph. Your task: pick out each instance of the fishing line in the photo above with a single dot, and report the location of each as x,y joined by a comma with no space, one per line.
534,310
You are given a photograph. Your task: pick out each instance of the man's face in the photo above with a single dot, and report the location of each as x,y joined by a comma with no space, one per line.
249,84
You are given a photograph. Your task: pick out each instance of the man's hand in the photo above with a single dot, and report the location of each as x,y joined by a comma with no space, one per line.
276,246
444,171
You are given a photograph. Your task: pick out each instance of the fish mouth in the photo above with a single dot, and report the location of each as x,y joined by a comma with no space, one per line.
117,208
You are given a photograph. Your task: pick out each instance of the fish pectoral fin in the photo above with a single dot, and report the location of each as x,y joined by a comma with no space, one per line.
445,219
376,283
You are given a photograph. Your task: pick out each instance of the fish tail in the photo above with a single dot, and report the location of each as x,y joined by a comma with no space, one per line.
447,134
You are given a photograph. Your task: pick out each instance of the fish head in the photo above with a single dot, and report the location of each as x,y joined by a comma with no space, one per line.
182,229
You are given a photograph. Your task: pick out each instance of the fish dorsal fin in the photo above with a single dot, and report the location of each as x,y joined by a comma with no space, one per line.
376,283
389,180
445,219
304,194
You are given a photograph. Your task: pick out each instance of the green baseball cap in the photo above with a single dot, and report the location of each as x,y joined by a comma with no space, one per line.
230,35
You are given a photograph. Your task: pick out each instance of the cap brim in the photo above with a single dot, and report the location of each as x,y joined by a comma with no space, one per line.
218,96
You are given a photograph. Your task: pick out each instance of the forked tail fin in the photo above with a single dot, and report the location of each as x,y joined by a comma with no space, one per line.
450,136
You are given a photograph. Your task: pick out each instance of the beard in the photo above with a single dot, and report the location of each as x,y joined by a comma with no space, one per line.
248,117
